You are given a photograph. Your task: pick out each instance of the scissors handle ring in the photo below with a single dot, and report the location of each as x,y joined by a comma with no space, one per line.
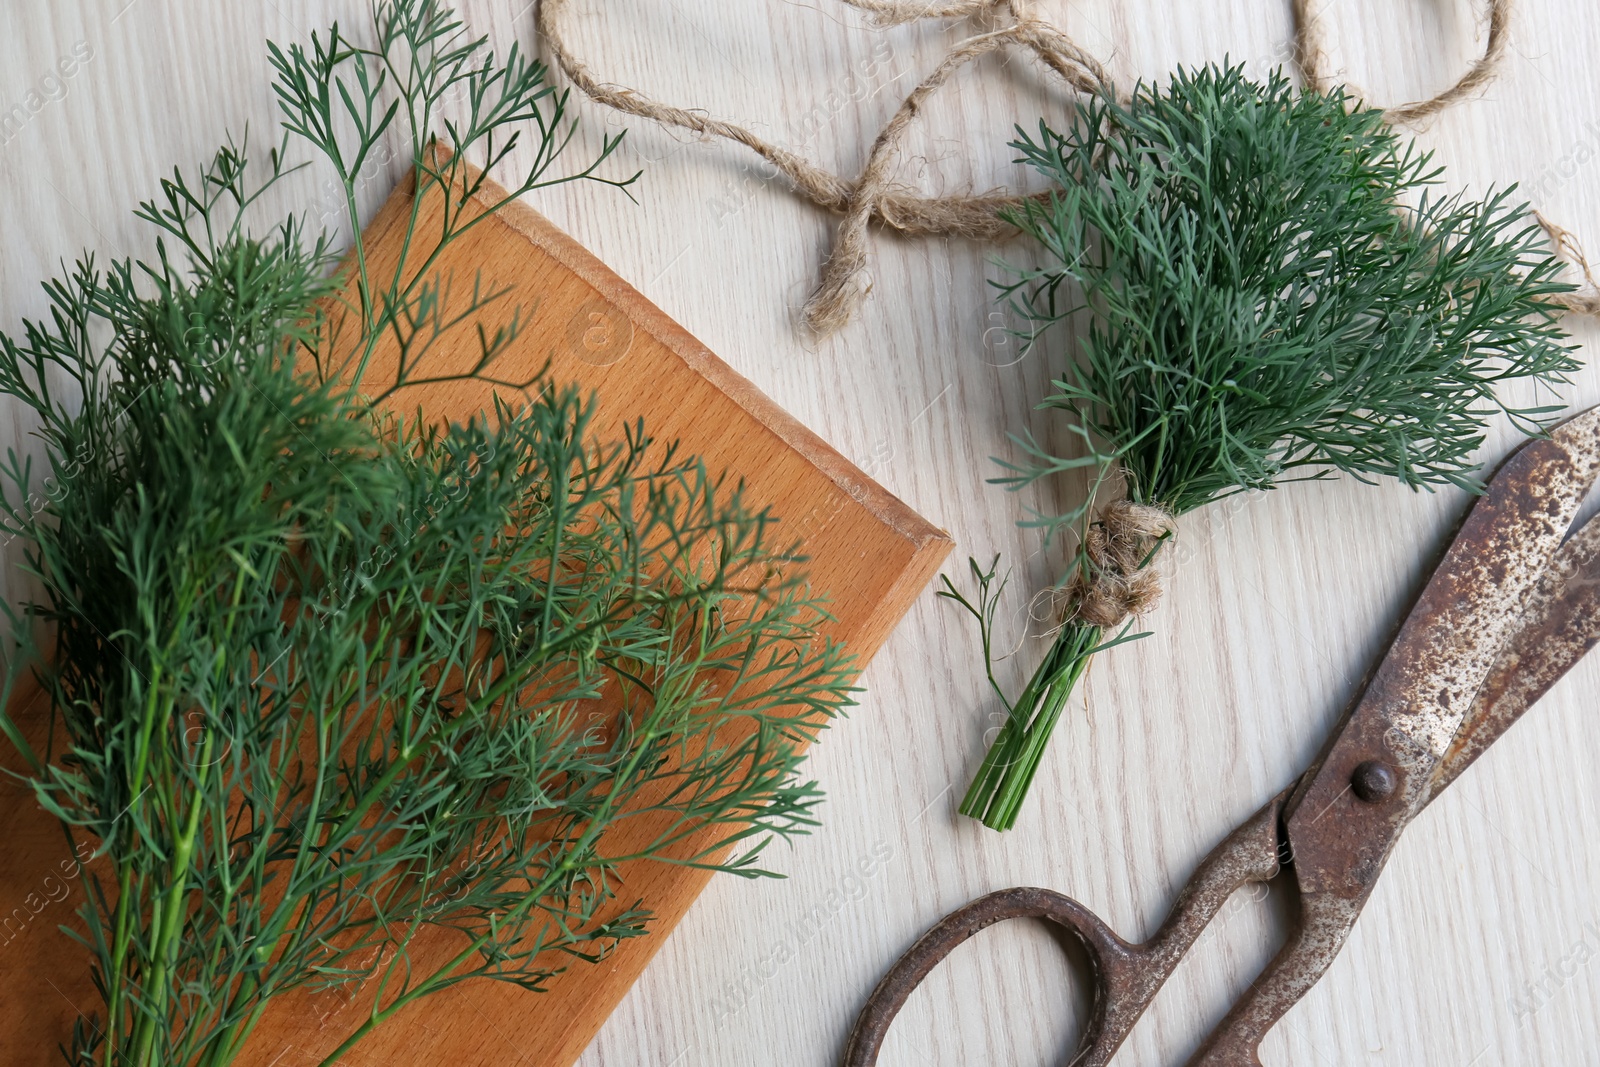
1112,961
1123,976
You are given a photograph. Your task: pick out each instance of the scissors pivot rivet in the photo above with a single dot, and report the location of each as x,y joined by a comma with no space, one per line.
1373,781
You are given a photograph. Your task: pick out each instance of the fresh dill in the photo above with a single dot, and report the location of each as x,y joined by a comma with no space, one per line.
329,677
1275,289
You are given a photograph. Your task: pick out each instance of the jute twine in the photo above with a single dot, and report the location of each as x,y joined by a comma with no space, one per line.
874,194
1120,541
1117,579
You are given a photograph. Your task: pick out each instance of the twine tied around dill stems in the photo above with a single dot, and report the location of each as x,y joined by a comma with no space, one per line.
875,195
1116,577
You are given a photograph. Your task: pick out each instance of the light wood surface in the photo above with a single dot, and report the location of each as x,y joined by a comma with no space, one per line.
1482,942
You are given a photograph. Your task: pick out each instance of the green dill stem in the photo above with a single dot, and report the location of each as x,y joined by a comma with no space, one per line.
1002,781
227,1044
171,930
1020,771
359,250
119,956
1003,749
136,790
225,1047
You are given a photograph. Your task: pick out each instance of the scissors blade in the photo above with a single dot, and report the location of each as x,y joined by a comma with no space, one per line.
1399,741
1377,773
1561,623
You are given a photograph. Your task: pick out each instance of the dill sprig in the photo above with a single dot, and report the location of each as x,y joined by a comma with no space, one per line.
328,676
1275,290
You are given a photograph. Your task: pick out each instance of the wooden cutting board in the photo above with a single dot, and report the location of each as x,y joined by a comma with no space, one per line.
868,553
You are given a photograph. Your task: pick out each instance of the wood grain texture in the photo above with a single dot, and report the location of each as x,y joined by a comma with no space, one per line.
1482,943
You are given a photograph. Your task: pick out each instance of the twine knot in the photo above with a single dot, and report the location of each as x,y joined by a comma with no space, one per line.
1117,579
875,195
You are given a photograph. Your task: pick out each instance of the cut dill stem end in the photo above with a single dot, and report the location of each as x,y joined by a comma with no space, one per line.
1264,285
996,793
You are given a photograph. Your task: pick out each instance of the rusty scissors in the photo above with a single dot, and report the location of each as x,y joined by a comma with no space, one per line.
1513,605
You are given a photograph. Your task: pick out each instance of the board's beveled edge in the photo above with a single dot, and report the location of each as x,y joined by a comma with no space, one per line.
854,482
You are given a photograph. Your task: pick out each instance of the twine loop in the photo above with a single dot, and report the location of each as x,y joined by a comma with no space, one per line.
874,195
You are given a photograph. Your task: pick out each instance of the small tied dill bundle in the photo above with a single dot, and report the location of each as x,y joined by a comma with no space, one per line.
1275,290
328,677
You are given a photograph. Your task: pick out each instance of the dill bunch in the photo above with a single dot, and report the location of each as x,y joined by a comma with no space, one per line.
1275,290
329,677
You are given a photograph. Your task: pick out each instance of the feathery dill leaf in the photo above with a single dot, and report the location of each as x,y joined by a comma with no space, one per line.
330,676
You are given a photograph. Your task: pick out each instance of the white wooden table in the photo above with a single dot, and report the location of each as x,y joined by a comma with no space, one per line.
1482,943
